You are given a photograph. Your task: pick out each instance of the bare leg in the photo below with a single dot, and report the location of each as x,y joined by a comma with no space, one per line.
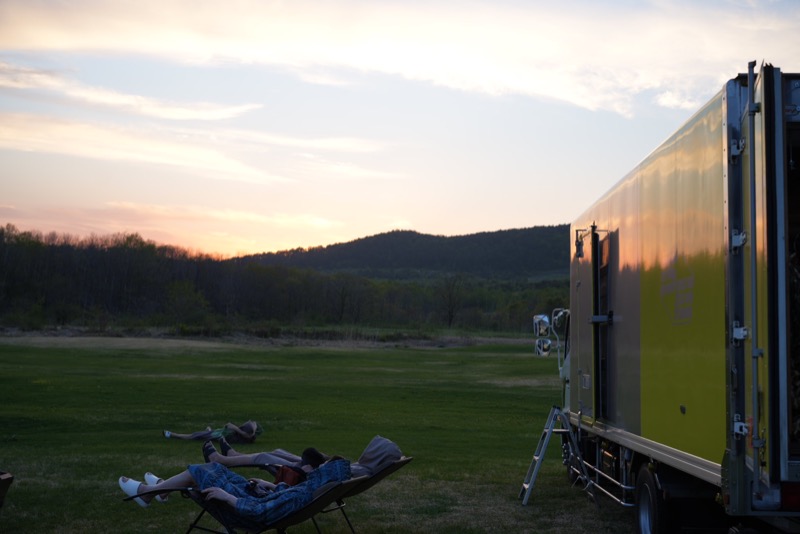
237,459
260,459
234,461
177,482
181,480
231,451
206,434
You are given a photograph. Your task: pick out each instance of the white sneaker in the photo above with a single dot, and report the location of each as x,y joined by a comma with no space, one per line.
131,489
151,480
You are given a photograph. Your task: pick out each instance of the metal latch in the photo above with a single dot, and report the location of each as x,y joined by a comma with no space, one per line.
738,240
737,147
740,428
602,319
740,333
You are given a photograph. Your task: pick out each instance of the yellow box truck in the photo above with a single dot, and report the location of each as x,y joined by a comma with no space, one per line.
682,341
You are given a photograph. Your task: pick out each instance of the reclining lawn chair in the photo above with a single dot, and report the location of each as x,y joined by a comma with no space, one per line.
380,459
366,483
323,497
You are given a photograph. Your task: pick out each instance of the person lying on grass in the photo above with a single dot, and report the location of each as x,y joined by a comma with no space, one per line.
257,502
247,432
378,453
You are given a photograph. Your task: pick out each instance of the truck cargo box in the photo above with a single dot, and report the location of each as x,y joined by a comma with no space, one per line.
683,355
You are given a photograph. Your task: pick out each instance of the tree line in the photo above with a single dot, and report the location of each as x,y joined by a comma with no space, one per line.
125,281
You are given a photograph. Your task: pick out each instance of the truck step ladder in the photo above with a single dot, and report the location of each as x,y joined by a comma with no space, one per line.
556,416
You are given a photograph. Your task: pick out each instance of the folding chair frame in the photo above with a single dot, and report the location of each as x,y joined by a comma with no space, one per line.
5,483
367,482
327,498
323,497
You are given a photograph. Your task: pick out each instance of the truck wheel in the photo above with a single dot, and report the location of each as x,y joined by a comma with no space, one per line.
650,505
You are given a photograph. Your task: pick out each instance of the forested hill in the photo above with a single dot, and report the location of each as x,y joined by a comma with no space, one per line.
537,252
490,281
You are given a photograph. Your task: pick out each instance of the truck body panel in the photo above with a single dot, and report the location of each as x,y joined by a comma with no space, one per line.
685,300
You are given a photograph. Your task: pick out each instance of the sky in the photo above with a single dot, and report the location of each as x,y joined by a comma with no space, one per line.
238,127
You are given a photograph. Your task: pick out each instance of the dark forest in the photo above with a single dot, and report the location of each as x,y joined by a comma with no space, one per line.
398,281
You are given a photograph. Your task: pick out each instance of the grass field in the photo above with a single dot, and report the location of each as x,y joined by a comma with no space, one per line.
77,413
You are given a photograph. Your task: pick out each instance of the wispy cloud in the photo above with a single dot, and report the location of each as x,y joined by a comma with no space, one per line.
312,164
600,59
319,77
254,138
42,81
201,152
29,132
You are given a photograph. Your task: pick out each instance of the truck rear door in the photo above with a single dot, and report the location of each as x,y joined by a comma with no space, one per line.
771,291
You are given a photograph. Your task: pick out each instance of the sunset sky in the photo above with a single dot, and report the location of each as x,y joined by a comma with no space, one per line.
238,127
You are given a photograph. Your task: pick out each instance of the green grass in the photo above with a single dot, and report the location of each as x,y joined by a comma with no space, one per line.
74,416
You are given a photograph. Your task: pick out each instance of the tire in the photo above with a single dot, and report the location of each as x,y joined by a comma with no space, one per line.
651,509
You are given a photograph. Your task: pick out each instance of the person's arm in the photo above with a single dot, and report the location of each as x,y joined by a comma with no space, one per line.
263,484
220,494
244,435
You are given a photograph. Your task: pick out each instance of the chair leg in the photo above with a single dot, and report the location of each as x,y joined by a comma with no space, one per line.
196,520
195,526
349,524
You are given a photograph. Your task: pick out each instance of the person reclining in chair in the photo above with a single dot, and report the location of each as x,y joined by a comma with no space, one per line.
378,453
258,503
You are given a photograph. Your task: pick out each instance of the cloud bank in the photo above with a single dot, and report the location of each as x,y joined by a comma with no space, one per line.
593,55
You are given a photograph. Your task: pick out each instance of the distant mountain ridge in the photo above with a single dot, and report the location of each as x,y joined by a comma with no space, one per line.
541,251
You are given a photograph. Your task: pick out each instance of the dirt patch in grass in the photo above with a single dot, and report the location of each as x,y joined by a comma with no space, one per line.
70,340
155,340
553,382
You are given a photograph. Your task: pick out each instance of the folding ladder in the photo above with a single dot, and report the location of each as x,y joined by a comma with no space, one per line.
570,447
